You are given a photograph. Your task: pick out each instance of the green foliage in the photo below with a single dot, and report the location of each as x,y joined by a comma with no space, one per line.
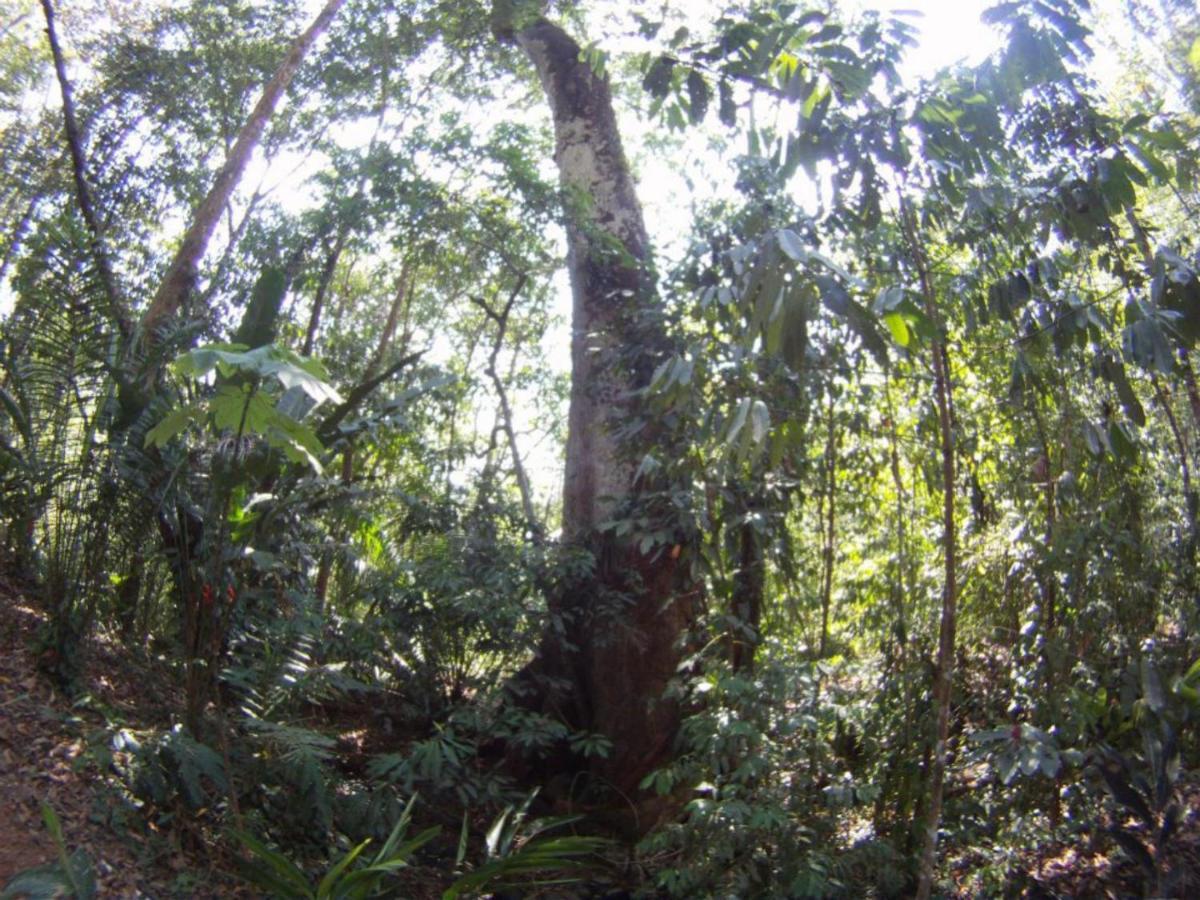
350,877
71,876
239,407
1143,786
769,785
519,855
344,594
175,769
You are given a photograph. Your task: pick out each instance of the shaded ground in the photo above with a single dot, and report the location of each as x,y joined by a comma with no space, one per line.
53,750
46,757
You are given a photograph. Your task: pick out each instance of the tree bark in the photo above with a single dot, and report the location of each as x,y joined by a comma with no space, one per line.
506,417
401,302
332,256
749,584
614,640
828,526
181,277
944,671
79,170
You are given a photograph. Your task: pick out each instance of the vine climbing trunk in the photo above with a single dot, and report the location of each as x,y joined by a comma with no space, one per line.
614,643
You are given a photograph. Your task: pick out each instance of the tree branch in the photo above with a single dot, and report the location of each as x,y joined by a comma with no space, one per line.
506,424
181,276
360,393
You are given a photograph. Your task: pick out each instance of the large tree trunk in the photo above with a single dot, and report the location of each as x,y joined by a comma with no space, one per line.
614,641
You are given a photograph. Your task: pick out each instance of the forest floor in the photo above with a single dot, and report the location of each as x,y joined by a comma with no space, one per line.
50,753
54,752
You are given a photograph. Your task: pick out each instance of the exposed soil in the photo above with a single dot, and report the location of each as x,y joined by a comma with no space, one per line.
46,757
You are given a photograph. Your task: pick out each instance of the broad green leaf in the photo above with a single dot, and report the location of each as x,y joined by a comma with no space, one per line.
267,361
1115,372
818,93
790,243
839,302
657,82
289,880
1124,444
171,424
899,328
328,884
229,407
46,882
739,420
727,107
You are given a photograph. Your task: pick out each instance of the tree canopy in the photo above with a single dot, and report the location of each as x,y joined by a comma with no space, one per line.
821,523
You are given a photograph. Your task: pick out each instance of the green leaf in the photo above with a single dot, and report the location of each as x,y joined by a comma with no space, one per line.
16,413
298,442
1193,672
170,425
269,361
657,82
281,876
790,243
229,406
1124,444
819,93
727,108
838,301
1134,848
1049,763
327,884
46,882
1152,163
1129,401
899,328
739,420
1122,791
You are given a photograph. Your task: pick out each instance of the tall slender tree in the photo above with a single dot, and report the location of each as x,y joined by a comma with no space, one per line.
180,279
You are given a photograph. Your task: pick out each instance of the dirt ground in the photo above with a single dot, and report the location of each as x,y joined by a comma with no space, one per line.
46,758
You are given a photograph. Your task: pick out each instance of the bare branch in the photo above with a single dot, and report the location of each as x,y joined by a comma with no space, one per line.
506,418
